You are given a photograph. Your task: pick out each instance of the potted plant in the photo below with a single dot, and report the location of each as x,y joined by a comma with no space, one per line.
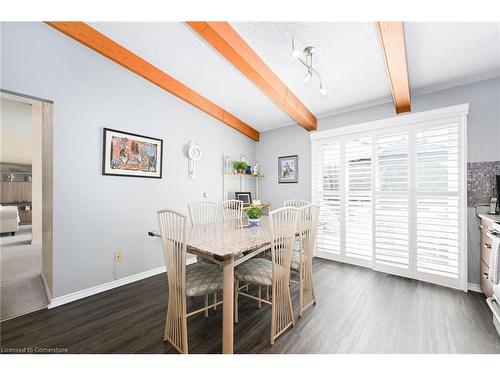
240,166
254,214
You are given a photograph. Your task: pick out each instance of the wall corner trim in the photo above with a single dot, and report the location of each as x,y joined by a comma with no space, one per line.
71,297
46,287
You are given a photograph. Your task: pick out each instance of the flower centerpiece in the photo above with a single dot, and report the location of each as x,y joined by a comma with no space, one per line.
240,166
254,214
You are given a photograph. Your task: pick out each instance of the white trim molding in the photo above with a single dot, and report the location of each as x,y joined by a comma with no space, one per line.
474,288
390,122
71,297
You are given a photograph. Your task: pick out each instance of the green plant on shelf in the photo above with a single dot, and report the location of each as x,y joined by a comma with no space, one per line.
240,166
253,212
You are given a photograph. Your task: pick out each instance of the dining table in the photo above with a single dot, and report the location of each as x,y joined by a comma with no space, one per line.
227,245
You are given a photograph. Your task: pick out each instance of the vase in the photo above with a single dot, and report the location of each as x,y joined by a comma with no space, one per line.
254,223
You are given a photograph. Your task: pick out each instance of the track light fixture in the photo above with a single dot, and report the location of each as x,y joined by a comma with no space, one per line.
307,61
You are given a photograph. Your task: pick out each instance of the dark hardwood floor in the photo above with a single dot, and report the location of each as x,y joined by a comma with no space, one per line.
358,311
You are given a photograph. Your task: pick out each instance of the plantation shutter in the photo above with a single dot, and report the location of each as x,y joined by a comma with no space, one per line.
358,167
392,195
328,193
437,173
392,202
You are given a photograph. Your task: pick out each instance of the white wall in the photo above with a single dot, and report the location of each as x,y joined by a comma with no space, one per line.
483,144
95,214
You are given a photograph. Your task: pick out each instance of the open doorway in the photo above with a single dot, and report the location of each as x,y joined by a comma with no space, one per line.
25,196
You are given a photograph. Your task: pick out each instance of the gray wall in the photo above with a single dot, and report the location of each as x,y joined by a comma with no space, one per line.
483,144
95,214
290,140
483,121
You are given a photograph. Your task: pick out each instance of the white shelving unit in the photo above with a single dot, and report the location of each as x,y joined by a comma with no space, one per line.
238,182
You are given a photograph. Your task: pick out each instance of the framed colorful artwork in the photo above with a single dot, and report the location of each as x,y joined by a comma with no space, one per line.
132,155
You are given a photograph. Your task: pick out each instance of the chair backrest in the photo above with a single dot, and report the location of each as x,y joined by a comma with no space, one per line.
297,203
283,222
203,213
308,228
232,212
173,235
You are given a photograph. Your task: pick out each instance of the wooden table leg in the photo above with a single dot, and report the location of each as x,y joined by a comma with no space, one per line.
227,308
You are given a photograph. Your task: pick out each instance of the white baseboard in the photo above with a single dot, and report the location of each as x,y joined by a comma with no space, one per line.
58,301
474,288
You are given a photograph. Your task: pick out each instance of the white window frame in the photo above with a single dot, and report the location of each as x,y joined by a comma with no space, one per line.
411,121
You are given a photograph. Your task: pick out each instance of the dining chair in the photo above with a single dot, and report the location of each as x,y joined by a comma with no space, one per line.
274,273
232,213
302,260
297,203
203,213
198,279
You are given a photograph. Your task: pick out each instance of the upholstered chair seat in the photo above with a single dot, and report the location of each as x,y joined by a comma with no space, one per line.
255,271
202,279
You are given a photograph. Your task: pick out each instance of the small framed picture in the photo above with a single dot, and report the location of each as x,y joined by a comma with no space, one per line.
245,197
288,169
133,155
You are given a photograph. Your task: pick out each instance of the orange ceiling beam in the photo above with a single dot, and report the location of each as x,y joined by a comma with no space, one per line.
222,37
100,43
392,37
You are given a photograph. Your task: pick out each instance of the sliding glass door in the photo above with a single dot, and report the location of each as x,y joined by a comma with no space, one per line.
392,198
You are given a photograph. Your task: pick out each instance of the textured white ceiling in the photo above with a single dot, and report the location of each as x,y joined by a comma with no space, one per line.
451,54
350,60
177,50
348,57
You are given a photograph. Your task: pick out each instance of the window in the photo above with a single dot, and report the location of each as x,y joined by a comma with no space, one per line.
392,195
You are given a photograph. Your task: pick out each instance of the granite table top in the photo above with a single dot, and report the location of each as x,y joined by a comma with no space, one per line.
224,241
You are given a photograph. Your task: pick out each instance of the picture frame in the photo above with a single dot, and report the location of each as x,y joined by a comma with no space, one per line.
245,197
131,155
288,169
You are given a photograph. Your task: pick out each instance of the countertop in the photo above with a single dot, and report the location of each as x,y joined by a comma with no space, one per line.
489,217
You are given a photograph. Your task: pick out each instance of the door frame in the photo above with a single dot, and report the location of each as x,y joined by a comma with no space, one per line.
47,110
